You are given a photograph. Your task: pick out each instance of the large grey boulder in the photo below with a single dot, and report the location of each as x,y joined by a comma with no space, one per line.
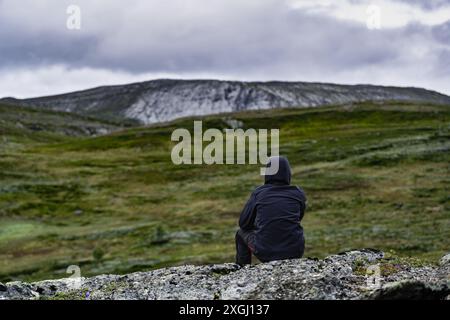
358,274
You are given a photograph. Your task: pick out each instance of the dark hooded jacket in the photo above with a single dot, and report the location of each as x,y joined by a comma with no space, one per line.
274,212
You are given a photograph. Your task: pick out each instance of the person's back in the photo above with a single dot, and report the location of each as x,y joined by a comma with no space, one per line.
270,222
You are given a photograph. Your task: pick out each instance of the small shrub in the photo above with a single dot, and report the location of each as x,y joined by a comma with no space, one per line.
98,254
160,236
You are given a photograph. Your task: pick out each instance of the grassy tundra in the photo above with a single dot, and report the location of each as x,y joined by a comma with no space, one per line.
376,175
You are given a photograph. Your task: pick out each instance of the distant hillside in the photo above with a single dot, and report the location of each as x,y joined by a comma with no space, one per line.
24,123
164,100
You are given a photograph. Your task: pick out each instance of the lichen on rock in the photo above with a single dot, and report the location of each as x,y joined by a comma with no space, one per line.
338,276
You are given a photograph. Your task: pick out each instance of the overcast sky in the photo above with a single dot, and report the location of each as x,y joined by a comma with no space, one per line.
305,40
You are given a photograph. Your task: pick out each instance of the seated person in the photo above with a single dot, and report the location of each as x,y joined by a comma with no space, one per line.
270,221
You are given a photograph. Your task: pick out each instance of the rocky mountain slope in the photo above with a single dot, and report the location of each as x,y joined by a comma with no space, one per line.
342,276
165,100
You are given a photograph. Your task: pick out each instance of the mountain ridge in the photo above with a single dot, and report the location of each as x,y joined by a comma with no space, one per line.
164,100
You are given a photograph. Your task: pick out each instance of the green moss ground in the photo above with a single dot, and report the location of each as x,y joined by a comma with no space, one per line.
376,175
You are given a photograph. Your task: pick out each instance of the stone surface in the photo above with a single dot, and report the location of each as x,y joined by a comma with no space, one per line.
445,260
341,276
412,289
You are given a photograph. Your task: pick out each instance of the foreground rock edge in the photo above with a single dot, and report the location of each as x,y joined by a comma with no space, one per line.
357,274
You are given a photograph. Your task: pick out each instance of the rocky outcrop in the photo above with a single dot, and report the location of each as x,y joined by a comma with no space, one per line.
165,100
362,274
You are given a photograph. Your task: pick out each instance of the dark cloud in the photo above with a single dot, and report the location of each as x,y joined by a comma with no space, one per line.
255,36
427,4
244,39
442,33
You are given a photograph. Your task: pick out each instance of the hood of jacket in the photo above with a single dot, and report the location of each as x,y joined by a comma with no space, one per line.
283,176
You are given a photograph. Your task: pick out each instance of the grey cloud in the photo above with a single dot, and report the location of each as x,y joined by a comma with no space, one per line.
427,4
442,33
267,33
230,37
45,51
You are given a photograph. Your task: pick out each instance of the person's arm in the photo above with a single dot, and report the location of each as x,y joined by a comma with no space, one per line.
248,214
303,202
302,209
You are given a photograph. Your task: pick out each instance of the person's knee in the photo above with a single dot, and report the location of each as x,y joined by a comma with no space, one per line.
238,238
